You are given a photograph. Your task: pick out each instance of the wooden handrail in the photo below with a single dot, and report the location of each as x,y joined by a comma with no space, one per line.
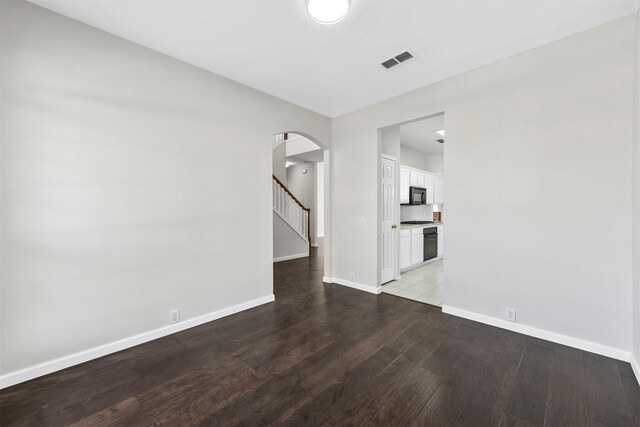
308,210
289,193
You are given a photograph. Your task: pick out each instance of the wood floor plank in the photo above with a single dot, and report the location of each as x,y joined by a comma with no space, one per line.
339,394
232,414
607,400
509,420
113,415
222,393
528,399
289,353
567,403
444,358
632,389
360,351
362,406
473,392
409,403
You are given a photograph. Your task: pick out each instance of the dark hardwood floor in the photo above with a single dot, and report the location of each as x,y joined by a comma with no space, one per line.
325,355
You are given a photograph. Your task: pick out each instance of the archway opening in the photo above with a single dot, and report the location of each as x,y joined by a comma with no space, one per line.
298,195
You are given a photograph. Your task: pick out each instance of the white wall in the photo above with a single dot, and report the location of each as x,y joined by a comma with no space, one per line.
549,127
300,145
636,213
279,162
390,142
416,213
125,187
303,186
420,160
320,199
287,244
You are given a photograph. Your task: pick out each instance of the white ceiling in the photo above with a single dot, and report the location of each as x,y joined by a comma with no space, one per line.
315,156
421,135
273,46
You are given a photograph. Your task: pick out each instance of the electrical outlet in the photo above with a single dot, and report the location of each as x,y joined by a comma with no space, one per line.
174,316
510,314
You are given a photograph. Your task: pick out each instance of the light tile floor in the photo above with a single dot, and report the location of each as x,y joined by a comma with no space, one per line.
424,284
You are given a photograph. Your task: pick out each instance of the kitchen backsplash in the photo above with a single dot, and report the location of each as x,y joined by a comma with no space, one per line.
416,213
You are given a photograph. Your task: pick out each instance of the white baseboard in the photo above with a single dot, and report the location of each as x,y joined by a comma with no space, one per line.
635,366
45,368
288,257
592,347
354,285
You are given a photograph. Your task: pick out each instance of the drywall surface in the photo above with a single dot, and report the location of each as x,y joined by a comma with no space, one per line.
390,141
299,145
301,181
328,210
279,163
416,213
636,213
419,160
287,244
320,199
132,184
551,127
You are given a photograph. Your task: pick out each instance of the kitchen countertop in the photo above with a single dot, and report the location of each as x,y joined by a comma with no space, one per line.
409,226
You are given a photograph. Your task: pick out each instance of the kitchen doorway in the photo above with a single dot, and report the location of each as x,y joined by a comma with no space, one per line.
418,147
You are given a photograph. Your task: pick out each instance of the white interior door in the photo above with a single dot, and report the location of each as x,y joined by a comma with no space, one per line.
388,225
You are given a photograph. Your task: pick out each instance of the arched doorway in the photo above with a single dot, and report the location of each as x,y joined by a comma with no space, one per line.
298,195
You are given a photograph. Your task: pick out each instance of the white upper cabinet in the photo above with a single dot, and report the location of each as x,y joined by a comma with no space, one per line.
413,181
438,189
411,177
428,184
405,182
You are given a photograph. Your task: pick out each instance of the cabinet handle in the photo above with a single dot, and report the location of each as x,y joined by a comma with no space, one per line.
394,226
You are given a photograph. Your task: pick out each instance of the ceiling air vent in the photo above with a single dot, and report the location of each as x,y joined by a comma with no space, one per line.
390,63
404,56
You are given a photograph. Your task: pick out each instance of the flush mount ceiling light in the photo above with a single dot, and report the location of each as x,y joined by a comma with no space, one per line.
327,12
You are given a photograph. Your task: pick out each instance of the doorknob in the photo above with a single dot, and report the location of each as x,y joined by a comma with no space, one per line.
394,226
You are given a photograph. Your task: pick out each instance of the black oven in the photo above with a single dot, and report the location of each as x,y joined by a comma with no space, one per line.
417,196
430,249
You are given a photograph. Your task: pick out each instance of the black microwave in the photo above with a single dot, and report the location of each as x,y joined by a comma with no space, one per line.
417,196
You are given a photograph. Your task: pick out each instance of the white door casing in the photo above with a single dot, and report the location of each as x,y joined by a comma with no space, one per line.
388,225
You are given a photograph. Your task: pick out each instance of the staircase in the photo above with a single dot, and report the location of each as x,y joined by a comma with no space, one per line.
294,213
284,137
